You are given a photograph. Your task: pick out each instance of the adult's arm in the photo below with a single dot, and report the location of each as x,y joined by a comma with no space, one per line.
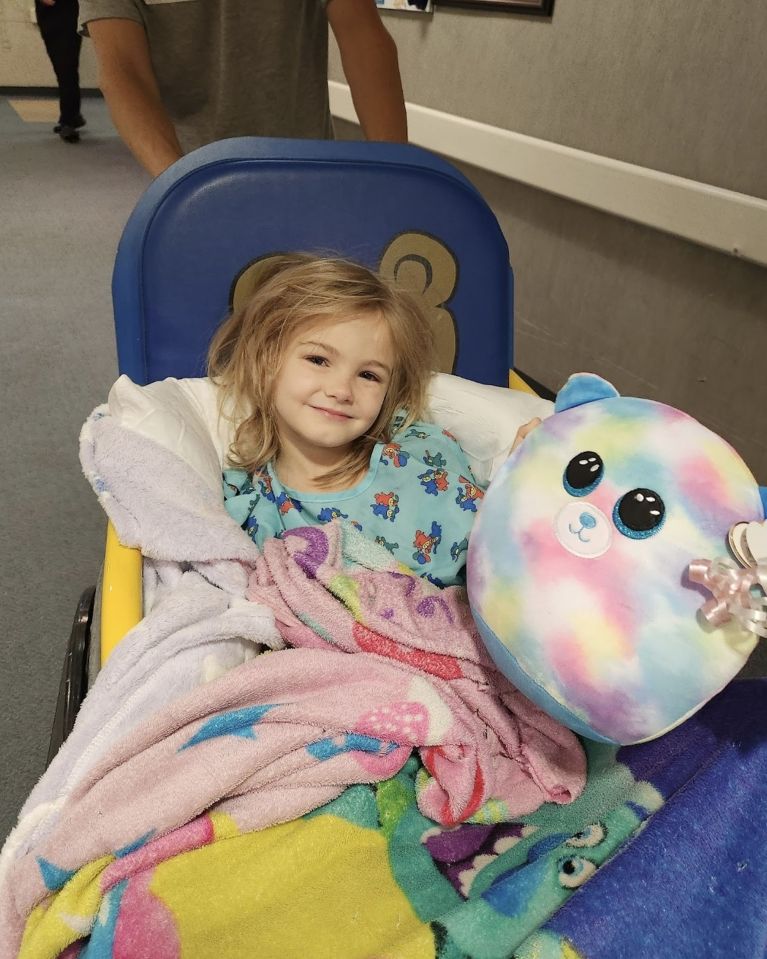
369,60
129,85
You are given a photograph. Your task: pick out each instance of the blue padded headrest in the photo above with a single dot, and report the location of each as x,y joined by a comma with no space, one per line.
224,205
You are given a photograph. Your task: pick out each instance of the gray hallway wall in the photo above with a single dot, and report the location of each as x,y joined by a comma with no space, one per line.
671,86
668,86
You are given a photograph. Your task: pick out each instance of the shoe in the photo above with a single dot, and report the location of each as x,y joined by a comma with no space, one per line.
68,134
75,125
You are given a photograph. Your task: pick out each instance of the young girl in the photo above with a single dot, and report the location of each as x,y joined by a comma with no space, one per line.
326,369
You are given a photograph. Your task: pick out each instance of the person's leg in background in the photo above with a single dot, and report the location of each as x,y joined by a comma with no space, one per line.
58,26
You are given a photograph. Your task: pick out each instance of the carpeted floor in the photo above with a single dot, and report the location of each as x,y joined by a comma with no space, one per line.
63,208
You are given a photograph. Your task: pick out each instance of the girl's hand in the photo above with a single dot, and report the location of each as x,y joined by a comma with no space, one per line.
524,431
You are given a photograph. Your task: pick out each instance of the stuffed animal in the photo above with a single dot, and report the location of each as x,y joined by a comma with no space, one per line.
579,566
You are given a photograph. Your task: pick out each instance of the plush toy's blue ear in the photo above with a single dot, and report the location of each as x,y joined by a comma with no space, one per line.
763,494
583,388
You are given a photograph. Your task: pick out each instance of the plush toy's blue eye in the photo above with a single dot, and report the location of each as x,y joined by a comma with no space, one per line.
583,473
639,514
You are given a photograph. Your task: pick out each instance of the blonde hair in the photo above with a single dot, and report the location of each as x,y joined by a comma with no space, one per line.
294,292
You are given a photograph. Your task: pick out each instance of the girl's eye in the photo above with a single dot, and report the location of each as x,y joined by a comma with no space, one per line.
317,360
369,375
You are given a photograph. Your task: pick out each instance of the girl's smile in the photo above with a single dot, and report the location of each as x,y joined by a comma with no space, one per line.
333,414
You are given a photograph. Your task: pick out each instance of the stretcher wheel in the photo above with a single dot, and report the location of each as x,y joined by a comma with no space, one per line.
74,675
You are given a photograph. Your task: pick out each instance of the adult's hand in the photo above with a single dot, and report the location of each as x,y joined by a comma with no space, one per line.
524,431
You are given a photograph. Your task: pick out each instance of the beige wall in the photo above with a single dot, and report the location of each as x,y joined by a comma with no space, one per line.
23,62
675,87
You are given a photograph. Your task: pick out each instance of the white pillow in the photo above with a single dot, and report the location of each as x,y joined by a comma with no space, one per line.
183,416
484,419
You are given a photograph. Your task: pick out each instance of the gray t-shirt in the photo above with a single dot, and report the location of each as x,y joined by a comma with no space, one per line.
229,68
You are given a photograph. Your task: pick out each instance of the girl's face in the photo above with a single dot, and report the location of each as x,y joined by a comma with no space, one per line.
331,386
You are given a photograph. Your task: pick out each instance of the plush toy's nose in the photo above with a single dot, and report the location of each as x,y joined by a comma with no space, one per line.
583,529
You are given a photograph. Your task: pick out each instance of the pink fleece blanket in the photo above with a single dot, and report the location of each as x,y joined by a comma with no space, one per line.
331,587
385,662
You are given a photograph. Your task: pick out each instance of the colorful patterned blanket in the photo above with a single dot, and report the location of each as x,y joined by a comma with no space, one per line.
387,663
662,855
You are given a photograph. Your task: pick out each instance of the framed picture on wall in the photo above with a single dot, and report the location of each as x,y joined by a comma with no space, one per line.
543,8
415,6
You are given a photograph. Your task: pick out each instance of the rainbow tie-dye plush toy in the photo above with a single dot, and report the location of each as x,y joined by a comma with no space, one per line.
579,566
